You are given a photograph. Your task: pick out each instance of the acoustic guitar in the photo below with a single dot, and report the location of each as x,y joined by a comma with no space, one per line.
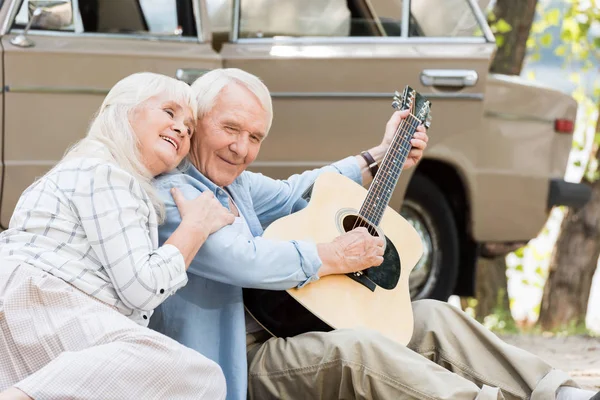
377,298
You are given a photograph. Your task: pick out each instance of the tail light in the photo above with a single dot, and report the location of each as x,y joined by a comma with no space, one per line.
564,126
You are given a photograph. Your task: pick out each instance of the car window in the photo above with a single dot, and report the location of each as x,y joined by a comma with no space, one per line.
54,15
145,17
346,18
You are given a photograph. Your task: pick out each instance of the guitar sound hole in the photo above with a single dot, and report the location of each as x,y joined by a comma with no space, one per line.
351,222
385,275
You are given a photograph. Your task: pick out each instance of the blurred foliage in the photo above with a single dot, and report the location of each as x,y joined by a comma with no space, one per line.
499,27
578,45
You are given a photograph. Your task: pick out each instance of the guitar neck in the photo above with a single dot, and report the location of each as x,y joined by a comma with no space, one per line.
383,185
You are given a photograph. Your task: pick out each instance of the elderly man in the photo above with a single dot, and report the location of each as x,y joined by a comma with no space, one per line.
449,357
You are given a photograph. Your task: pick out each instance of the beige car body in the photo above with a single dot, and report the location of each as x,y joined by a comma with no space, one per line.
493,149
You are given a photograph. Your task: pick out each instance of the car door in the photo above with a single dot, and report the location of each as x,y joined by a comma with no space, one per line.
333,66
78,49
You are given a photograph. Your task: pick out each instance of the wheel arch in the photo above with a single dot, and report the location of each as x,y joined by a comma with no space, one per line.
454,186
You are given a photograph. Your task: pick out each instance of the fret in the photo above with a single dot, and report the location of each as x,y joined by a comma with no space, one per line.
384,183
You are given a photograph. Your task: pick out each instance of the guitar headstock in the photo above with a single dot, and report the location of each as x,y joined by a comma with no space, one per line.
419,106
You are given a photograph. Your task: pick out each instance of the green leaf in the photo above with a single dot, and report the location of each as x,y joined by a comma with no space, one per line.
535,57
519,268
575,77
500,40
577,163
552,17
530,43
520,252
546,39
502,26
560,50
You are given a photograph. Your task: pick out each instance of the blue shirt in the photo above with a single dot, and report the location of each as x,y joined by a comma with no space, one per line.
207,314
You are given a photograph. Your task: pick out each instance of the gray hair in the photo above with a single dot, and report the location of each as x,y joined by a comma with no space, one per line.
110,135
208,86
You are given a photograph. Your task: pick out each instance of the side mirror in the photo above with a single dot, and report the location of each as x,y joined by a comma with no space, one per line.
22,40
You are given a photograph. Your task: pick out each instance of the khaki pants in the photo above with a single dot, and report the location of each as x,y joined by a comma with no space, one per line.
450,356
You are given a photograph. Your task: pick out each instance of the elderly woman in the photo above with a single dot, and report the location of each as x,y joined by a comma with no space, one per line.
81,270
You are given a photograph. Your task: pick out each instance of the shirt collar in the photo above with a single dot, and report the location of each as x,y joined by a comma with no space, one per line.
186,167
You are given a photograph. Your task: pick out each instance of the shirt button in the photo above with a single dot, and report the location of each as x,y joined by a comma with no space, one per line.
162,291
145,317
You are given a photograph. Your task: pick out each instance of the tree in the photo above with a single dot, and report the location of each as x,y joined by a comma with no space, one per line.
575,256
573,262
511,22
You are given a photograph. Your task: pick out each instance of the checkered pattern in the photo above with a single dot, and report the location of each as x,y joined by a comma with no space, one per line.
91,224
58,343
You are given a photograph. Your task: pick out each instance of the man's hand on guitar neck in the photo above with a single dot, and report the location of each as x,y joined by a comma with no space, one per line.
418,142
351,252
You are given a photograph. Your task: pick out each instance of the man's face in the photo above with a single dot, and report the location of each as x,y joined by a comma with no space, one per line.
228,138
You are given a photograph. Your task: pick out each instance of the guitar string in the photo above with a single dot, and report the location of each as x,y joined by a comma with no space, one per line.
400,147
383,192
400,142
375,206
359,220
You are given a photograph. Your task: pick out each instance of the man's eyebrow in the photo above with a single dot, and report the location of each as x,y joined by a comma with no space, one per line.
234,124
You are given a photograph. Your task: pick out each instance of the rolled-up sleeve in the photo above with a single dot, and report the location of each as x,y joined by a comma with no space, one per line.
274,199
114,212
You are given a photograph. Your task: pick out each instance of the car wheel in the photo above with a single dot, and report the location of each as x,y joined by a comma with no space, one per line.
426,209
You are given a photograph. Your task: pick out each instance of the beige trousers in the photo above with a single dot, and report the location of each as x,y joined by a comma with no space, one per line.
450,356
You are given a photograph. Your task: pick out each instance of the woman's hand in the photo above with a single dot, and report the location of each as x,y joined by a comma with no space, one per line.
199,218
351,252
204,212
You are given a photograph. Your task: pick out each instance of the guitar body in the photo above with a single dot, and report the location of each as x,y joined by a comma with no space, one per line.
340,301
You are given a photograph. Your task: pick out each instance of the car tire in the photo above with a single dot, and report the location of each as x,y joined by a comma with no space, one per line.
427,209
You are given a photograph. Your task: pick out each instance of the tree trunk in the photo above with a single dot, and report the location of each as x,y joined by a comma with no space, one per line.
519,15
491,287
491,284
573,263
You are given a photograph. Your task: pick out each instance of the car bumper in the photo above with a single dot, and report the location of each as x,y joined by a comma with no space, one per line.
568,194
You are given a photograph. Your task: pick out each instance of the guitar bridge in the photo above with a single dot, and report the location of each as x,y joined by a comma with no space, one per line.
363,280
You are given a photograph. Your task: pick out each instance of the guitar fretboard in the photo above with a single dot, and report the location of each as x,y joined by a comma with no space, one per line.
383,185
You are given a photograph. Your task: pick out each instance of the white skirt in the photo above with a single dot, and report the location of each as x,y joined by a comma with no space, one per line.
57,342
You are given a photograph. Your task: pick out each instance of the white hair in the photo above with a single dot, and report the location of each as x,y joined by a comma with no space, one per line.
208,86
111,128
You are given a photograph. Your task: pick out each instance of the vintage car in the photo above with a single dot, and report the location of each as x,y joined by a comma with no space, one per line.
498,145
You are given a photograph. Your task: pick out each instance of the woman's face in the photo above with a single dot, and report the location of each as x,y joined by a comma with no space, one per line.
163,128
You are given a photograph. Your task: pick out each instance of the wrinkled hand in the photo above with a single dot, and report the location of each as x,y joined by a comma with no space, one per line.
204,212
418,142
353,251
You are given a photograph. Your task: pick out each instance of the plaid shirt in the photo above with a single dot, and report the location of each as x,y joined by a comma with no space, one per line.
91,224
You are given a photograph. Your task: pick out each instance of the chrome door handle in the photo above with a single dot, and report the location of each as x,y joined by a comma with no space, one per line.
449,77
189,75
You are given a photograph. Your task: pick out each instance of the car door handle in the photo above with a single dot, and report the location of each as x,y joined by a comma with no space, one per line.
189,75
449,77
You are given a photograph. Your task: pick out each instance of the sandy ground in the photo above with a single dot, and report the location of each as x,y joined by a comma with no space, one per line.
577,355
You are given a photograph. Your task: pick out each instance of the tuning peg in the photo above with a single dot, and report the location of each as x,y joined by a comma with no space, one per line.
428,121
396,94
396,105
